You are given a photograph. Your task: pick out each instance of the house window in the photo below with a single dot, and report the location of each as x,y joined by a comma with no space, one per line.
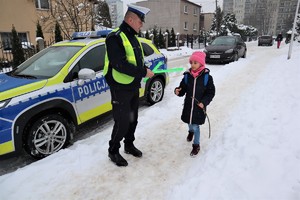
6,39
195,26
42,4
195,11
185,26
185,9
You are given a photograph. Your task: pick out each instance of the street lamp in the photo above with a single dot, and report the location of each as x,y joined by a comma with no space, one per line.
166,36
293,30
177,35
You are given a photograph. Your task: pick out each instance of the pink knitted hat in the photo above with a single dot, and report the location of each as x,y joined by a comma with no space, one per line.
198,56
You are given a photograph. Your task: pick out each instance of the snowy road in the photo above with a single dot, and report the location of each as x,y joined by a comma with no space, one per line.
254,151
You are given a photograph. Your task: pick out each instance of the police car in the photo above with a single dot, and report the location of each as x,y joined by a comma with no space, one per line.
45,98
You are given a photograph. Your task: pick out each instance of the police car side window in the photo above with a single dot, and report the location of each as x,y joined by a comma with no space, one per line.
147,49
94,59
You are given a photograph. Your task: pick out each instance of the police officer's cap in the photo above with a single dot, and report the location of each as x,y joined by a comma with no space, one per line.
140,11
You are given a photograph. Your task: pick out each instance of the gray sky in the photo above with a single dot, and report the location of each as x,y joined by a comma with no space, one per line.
207,5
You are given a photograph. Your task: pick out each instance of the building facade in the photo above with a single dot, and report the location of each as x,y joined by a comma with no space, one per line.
181,15
116,12
207,21
268,16
23,15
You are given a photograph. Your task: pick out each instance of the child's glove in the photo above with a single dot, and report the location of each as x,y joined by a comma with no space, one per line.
201,105
177,90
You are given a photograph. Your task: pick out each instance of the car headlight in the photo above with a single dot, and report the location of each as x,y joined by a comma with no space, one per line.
229,51
4,103
204,50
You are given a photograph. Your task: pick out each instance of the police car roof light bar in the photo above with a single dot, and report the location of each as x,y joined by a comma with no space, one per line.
90,34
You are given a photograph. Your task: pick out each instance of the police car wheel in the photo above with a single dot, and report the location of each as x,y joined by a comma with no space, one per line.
155,91
47,135
245,54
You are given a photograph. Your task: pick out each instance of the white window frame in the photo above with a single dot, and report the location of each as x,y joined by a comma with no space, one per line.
195,11
38,4
195,27
5,39
185,26
185,9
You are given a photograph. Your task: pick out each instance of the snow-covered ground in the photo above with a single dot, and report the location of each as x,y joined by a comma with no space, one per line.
254,151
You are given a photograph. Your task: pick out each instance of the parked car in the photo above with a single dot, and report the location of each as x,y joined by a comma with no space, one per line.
265,40
45,98
225,49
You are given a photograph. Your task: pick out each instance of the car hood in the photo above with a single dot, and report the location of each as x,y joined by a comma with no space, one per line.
219,47
14,86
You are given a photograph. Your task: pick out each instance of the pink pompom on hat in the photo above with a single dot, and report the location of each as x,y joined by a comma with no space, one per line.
198,56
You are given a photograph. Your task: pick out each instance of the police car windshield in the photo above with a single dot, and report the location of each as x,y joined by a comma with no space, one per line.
46,63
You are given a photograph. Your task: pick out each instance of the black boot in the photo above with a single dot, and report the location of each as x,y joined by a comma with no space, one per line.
195,151
117,159
190,136
131,149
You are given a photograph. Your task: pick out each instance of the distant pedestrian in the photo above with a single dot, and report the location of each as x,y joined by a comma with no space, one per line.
198,87
279,39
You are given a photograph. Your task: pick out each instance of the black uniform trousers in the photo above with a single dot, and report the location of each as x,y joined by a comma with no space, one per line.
125,104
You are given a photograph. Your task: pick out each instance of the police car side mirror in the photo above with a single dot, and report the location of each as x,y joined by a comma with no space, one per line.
84,74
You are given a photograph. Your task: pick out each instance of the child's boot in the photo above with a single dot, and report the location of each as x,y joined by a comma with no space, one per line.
190,136
196,149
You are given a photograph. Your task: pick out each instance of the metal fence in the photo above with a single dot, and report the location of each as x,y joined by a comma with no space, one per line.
6,56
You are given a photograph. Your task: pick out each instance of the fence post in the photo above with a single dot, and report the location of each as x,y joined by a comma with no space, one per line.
187,40
152,38
40,43
166,39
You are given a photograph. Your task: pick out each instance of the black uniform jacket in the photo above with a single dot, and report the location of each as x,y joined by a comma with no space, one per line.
195,92
279,37
117,58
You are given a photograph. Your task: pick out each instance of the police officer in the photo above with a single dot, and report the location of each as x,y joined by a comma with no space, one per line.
124,69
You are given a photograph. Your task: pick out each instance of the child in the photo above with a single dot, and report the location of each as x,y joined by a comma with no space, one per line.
199,89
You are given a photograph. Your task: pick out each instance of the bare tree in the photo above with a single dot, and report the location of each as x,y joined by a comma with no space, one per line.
72,16
102,15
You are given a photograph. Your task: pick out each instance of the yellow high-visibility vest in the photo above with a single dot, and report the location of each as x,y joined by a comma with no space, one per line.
117,76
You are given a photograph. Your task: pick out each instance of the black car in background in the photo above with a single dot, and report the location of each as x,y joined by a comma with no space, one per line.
225,49
265,40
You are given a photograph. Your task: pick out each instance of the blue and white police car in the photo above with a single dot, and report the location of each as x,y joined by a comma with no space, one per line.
44,99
